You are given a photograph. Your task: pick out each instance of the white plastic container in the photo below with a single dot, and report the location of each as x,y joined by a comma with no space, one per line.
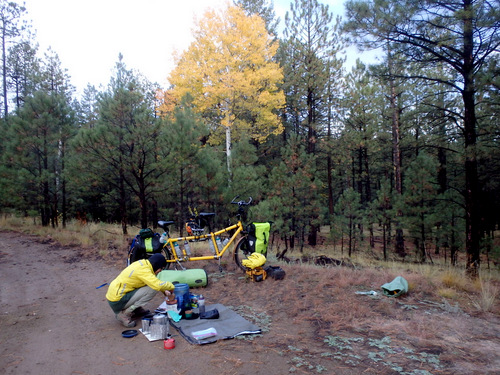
201,304
187,248
178,250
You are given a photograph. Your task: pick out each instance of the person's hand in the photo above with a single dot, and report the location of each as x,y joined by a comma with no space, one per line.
170,296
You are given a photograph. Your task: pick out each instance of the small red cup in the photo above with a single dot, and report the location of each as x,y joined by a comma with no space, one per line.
169,343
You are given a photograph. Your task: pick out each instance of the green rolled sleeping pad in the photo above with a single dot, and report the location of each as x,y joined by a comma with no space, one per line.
194,277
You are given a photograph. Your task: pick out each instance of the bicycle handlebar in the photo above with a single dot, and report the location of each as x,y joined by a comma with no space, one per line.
241,203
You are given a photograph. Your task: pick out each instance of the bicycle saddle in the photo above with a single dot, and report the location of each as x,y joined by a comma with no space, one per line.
165,224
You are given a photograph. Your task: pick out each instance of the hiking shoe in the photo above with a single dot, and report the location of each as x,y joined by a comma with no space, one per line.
139,313
125,319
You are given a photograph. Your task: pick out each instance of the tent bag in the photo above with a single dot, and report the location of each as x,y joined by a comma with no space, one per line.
396,287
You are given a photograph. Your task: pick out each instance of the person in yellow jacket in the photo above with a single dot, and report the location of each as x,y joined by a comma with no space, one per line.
135,286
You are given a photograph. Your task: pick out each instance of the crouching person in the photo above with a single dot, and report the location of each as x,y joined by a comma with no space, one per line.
135,286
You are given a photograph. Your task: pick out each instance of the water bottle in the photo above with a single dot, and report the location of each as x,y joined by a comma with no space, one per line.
187,248
178,250
219,243
163,237
201,304
211,244
225,242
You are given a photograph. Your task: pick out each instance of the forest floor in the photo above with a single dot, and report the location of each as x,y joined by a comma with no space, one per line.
54,321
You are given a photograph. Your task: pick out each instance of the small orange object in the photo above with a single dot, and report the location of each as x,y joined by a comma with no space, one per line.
169,343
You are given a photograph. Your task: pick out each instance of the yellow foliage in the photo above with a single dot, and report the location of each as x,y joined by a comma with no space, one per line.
230,73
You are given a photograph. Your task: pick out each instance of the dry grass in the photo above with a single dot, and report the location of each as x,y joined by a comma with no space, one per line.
448,293
488,297
95,235
455,279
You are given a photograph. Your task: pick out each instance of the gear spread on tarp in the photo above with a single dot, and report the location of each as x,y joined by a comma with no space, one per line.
228,325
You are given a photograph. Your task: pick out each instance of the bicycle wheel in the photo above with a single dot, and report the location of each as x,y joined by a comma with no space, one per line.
242,251
166,253
135,253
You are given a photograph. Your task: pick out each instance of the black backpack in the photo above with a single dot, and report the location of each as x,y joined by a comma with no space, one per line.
145,244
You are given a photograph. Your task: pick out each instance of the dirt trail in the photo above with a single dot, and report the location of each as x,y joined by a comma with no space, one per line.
54,321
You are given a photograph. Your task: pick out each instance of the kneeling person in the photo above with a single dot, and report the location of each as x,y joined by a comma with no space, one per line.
135,286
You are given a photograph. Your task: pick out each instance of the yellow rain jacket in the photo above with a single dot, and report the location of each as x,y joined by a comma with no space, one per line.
254,260
135,276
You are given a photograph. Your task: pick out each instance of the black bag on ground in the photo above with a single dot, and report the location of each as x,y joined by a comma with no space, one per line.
275,272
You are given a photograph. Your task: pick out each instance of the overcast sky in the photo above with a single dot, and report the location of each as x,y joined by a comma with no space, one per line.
88,35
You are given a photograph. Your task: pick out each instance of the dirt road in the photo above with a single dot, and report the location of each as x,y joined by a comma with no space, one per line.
54,321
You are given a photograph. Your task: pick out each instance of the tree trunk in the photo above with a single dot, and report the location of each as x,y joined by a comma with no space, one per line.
330,185
311,131
182,209
472,216
228,155
312,237
329,162
123,203
396,155
384,240
4,71
350,236
154,212
143,204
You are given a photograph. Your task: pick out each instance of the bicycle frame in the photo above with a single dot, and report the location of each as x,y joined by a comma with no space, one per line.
218,253
175,254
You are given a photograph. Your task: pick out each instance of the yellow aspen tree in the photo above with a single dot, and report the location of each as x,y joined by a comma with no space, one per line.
230,73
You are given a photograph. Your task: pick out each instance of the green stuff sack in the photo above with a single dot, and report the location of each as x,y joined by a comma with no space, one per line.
258,237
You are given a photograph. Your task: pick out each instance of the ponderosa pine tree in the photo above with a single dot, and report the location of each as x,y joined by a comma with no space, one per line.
182,135
362,132
23,68
309,56
37,143
419,200
10,27
124,148
349,217
293,193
